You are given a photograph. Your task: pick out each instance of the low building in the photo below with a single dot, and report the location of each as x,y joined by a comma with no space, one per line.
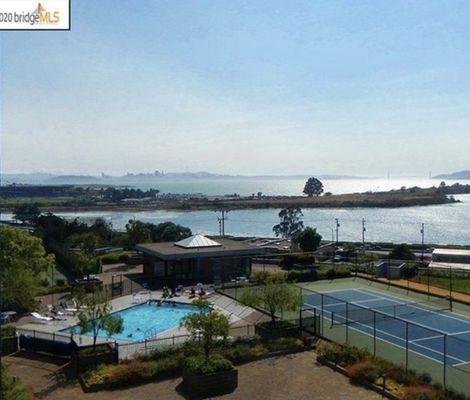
453,256
389,270
198,259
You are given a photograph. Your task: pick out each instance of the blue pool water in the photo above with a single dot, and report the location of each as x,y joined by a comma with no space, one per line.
143,320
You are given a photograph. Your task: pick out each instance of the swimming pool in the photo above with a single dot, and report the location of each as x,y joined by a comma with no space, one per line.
146,320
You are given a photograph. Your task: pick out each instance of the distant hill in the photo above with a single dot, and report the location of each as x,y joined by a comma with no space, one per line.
73,179
456,175
135,178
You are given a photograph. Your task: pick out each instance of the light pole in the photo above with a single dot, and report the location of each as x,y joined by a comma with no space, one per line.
363,232
422,242
332,235
337,230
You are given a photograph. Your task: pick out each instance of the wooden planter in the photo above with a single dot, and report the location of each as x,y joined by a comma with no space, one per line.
210,384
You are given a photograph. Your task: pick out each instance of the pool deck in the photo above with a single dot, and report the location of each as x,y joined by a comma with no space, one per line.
235,311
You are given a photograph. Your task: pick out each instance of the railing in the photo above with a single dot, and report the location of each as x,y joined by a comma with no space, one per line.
135,349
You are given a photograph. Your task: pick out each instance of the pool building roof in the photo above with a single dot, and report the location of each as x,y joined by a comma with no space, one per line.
199,246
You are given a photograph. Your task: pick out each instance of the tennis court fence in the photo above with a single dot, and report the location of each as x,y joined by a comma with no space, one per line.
386,334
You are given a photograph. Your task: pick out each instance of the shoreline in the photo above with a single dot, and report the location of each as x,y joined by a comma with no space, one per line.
392,199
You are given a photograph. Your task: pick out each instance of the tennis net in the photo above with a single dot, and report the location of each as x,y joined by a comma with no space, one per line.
355,313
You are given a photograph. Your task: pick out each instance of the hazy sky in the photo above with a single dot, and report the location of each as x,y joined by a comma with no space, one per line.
346,87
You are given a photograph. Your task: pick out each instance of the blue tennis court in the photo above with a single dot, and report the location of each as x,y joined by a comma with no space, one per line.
432,330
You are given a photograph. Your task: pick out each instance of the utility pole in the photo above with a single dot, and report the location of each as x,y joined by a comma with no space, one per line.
363,232
337,230
221,220
422,242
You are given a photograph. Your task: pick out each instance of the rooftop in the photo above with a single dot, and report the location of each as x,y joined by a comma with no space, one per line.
452,252
197,241
190,249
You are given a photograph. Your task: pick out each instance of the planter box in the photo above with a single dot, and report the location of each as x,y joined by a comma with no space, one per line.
211,384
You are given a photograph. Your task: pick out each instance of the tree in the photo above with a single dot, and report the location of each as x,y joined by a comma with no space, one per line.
27,213
22,260
274,295
207,326
402,252
94,315
12,388
103,229
137,232
290,222
309,239
313,187
168,232
86,265
87,242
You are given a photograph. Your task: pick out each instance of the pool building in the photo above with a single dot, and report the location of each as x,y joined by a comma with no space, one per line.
198,259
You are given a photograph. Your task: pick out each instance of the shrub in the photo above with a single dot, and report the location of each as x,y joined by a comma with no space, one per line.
112,258
8,331
285,343
342,354
258,350
259,277
124,258
134,372
12,388
365,371
201,365
302,275
289,260
421,393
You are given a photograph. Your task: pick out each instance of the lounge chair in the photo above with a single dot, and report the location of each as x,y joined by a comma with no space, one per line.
179,290
68,310
137,298
41,318
7,316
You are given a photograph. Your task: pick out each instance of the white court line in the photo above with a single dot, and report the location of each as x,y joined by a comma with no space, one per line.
396,337
380,296
427,338
459,333
400,318
462,363
392,298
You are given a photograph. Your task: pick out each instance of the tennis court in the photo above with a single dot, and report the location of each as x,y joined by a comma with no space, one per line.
432,329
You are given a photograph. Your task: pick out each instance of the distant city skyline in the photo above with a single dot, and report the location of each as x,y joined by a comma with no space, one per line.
250,88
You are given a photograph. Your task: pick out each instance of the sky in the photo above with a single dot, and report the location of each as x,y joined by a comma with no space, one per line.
241,87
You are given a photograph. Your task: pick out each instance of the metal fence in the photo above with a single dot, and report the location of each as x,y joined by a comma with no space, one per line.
425,350
452,282
135,349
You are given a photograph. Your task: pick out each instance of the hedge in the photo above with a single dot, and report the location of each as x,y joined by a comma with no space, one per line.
166,363
200,365
361,367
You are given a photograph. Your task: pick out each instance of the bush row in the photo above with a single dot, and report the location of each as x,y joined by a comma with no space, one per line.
114,258
312,274
362,367
169,362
